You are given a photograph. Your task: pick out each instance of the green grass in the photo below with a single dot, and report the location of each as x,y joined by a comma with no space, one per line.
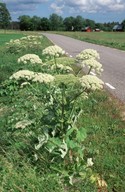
105,142
6,37
8,62
105,126
22,177
110,39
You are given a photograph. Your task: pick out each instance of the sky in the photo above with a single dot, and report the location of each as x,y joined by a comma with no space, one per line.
97,10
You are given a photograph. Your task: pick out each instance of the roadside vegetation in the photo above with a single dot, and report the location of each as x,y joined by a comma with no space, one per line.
109,39
60,131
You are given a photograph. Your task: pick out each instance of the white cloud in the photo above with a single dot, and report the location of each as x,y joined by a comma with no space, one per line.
90,5
21,6
57,9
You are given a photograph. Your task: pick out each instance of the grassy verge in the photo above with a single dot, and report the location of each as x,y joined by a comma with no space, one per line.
105,127
110,39
8,63
105,124
6,37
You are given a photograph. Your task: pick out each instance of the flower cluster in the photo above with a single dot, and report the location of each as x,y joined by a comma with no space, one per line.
30,58
32,76
89,82
93,64
53,51
22,124
43,78
62,68
32,38
88,54
24,43
89,162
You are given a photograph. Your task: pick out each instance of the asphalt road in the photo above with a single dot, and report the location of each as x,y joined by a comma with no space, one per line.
113,61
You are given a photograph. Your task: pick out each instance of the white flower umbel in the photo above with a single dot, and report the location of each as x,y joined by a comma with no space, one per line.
32,76
23,74
89,162
88,54
22,124
53,51
89,82
24,43
92,64
30,58
43,78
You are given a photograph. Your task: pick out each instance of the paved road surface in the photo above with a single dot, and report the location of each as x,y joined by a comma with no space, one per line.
113,61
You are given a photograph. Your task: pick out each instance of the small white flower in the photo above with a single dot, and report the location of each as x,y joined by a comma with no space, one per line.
89,82
54,51
89,162
30,58
22,124
33,76
88,54
93,64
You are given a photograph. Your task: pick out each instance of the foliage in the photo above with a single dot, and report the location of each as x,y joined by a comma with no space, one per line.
45,24
4,16
9,62
44,127
22,176
50,132
69,22
123,23
25,22
56,22
24,43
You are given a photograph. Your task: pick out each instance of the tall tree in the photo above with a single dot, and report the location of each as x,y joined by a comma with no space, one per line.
69,23
25,23
123,23
5,17
79,23
45,24
35,23
90,23
56,22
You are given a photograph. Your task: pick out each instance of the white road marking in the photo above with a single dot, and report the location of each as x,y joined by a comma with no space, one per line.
110,86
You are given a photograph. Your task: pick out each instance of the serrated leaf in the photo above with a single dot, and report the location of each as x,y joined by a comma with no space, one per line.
81,134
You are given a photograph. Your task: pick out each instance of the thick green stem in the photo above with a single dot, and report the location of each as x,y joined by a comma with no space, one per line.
78,72
77,95
63,107
89,70
55,62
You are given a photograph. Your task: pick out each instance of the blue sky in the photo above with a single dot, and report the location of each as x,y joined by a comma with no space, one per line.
98,10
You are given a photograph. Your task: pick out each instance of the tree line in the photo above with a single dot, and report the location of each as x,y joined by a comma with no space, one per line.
57,23
53,23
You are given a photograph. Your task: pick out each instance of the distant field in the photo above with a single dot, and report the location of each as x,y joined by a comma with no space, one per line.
110,39
6,37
